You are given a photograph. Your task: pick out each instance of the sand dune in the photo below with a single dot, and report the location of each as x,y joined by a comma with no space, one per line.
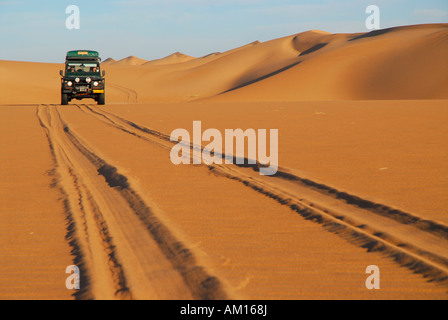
176,57
396,63
402,63
129,61
224,71
108,61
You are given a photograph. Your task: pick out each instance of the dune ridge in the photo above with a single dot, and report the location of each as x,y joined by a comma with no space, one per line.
129,61
407,62
108,61
176,57
363,169
396,63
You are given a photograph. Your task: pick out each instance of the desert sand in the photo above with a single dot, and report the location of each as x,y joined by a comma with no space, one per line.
362,177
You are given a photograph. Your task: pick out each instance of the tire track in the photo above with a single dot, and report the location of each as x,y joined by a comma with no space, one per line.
123,247
130,95
78,207
418,244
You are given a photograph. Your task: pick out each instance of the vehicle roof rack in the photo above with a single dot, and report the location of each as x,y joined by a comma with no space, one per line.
82,54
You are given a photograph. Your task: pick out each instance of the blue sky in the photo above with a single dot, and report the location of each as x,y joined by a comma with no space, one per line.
33,30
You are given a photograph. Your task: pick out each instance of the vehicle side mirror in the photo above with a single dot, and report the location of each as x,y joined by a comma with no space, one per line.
61,73
104,73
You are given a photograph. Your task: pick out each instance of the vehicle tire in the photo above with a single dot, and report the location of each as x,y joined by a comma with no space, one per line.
101,98
64,99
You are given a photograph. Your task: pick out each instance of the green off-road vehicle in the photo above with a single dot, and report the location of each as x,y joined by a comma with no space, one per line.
83,78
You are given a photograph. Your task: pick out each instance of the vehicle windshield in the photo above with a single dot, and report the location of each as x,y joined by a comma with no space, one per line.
79,68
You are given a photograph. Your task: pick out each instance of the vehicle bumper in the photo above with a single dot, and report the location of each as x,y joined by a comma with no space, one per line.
82,93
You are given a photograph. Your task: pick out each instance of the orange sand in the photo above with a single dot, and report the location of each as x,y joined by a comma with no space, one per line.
362,178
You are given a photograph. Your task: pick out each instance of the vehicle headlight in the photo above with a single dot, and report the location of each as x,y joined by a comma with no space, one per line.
69,83
96,83
77,80
88,79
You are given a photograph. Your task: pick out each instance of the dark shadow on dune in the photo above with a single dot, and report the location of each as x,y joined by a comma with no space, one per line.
314,48
113,178
373,33
263,77
210,54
